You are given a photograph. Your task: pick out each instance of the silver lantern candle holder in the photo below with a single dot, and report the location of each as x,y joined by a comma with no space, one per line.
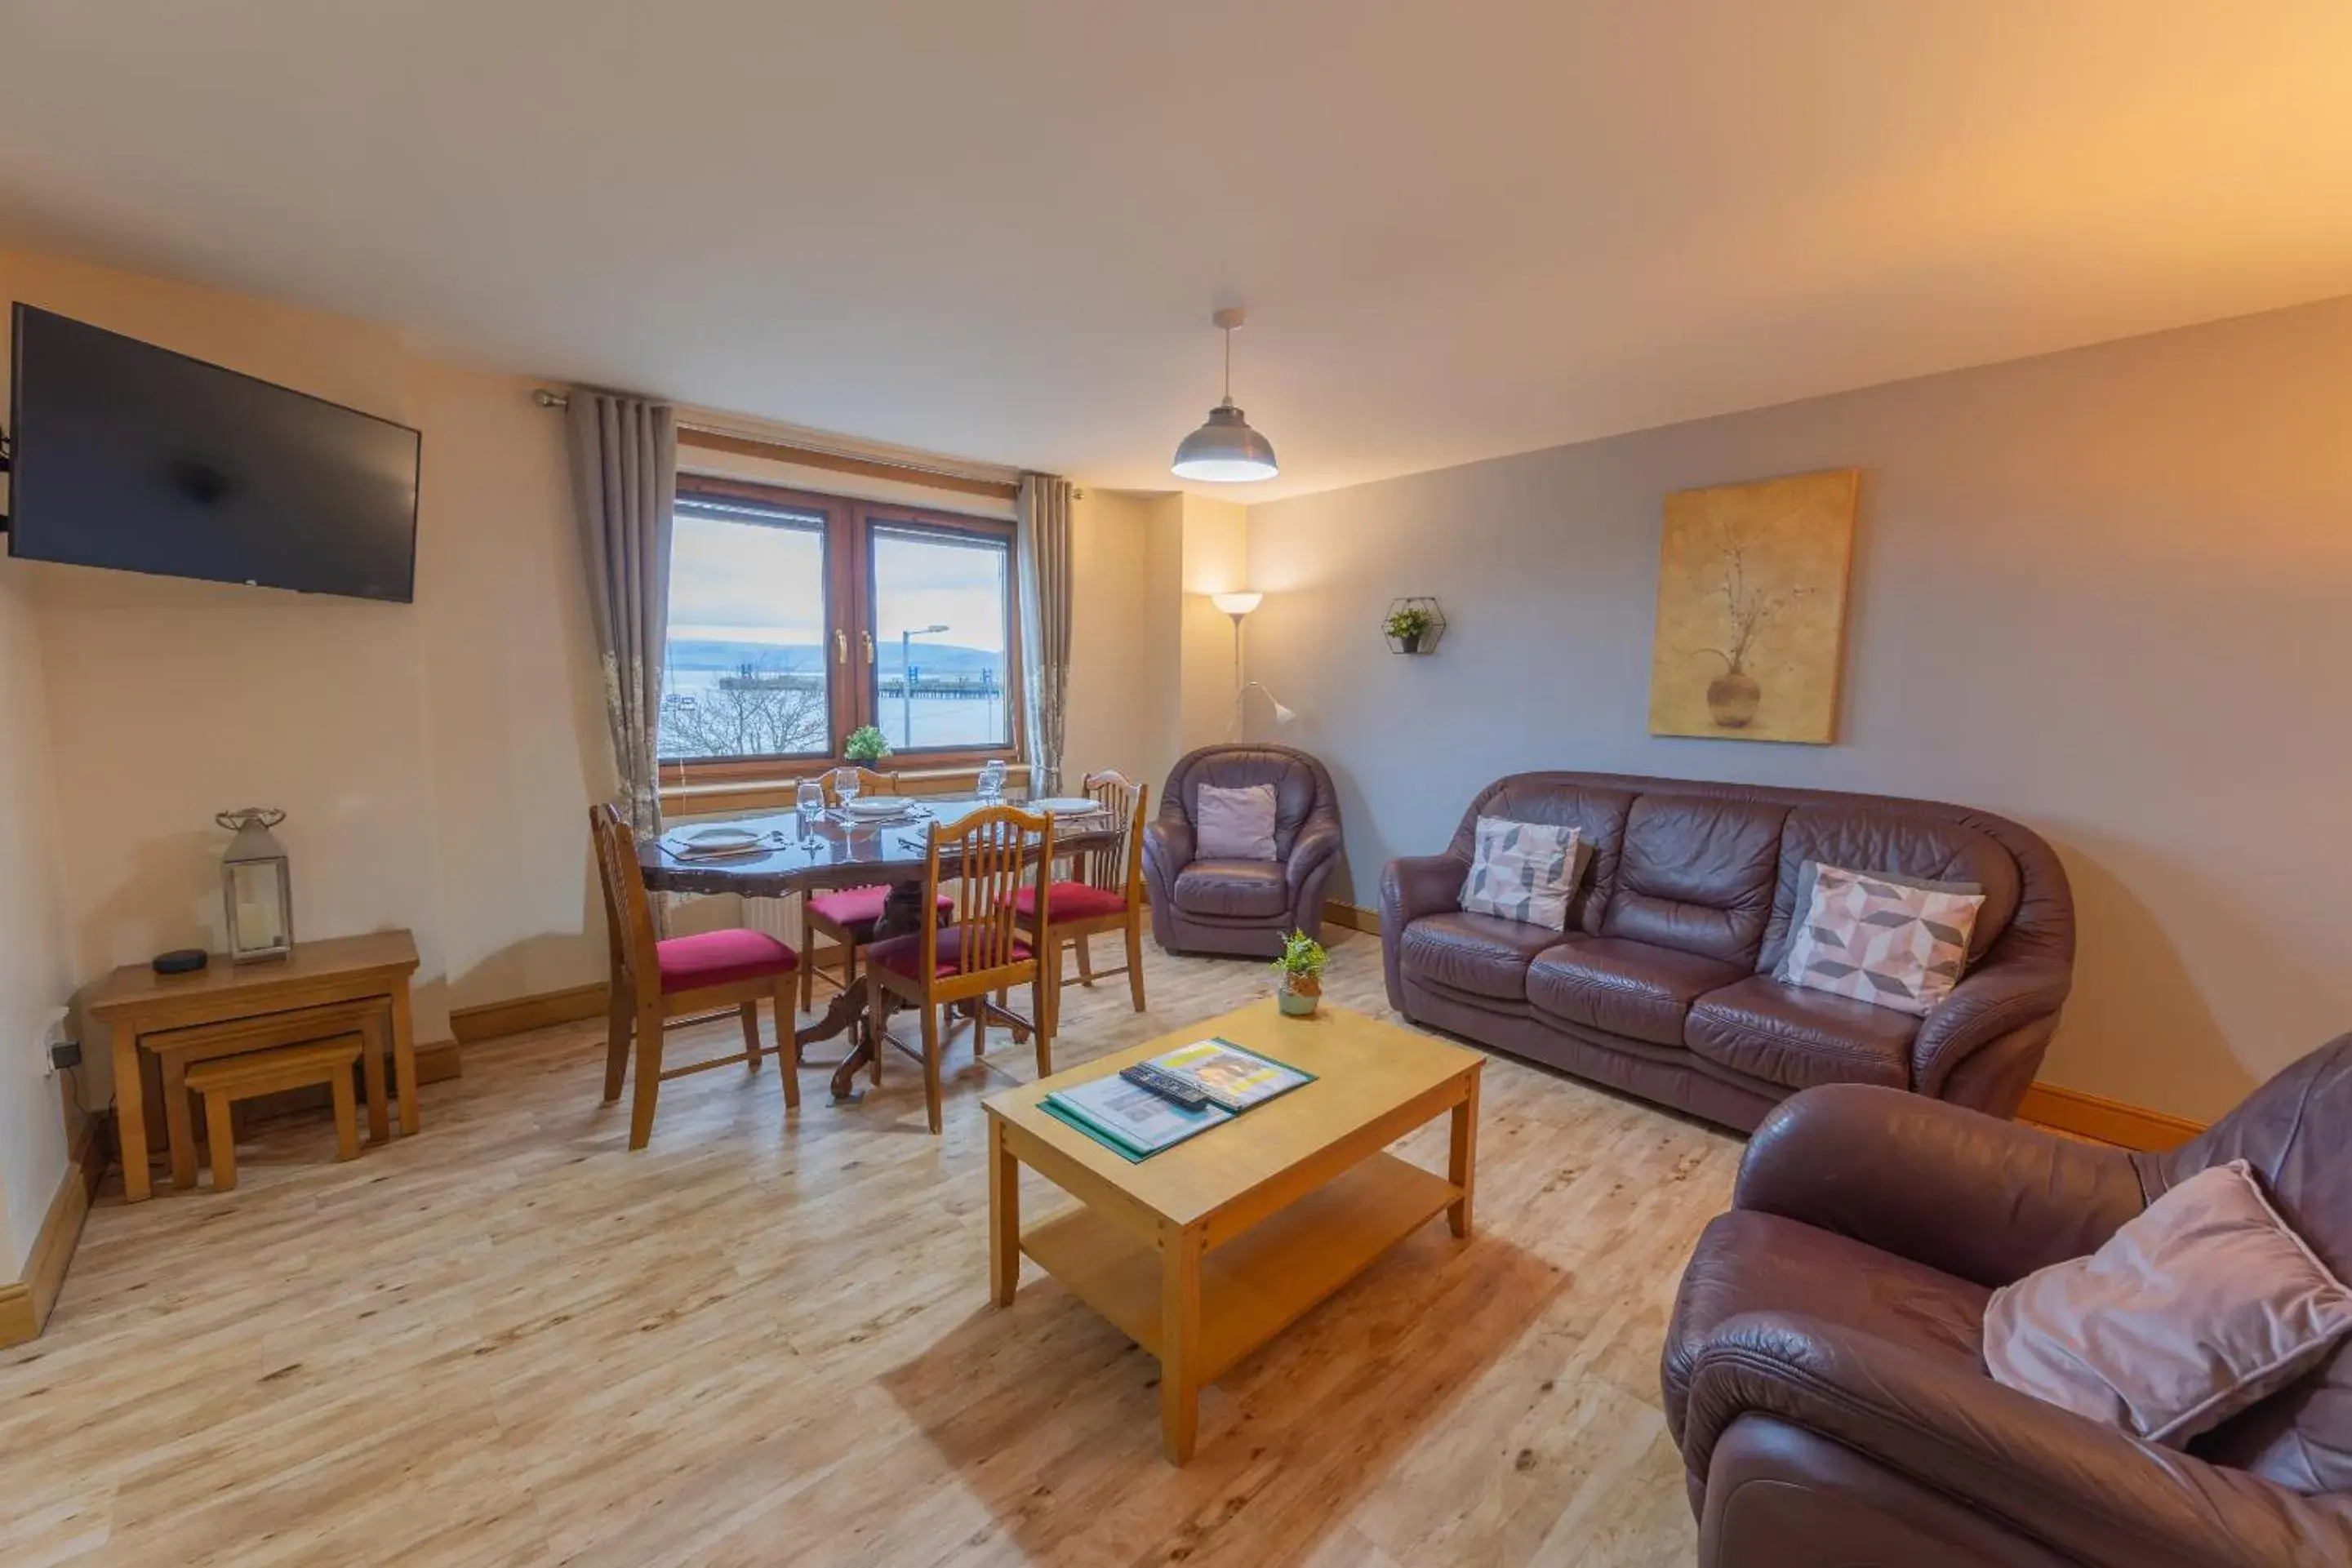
256,893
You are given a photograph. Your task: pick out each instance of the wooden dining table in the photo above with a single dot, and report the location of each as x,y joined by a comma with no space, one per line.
834,852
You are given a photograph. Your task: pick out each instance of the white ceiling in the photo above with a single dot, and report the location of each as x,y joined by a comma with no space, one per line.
997,229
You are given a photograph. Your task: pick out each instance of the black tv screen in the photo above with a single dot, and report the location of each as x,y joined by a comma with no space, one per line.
132,456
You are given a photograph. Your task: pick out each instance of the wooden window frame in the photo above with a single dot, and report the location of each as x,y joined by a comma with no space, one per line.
849,608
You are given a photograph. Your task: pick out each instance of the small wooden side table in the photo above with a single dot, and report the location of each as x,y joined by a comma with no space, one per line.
135,1001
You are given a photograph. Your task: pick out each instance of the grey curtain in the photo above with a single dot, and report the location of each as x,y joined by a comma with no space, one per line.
625,479
1043,535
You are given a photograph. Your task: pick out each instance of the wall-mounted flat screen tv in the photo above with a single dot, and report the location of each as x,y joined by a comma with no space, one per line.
134,457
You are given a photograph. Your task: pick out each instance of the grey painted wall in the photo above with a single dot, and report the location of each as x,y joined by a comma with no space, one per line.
2102,591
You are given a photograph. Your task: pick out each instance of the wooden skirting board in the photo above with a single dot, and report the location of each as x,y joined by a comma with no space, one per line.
2108,1121
491,1020
24,1303
2046,1104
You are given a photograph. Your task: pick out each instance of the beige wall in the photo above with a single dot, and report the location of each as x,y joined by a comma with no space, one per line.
36,975
2102,591
1216,561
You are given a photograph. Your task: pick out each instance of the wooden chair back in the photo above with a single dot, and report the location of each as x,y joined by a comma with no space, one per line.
868,782
992,852
628,911
1118,867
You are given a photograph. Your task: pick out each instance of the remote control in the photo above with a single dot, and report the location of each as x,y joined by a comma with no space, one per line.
1167,1085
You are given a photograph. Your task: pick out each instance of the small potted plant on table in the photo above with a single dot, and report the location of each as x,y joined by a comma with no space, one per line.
1301,969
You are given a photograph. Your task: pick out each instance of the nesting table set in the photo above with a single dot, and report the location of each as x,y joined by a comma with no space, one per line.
235,1031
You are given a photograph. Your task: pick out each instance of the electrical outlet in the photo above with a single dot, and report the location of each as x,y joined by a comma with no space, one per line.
57,1036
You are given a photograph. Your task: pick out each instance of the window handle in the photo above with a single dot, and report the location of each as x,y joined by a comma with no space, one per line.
869,645
841,647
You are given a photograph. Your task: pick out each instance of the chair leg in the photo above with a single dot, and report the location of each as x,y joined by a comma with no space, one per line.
1044,997
979,1028
1135,958
788,1057
1084,942
347,1117
932,1064
649,1062
750,1013
877,1028
220,1137
807,968
618,1012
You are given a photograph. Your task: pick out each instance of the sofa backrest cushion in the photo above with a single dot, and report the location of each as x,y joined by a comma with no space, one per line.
1697,874
1598,814
1862,838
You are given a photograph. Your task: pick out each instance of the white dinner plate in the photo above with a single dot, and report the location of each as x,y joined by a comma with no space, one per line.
714,841
1066,805
877,806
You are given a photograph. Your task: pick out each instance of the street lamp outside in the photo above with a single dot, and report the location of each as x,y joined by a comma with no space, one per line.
906,682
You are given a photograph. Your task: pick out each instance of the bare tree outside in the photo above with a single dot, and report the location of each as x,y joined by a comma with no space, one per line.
751,712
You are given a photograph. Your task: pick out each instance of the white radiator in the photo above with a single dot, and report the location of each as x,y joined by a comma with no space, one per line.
779,917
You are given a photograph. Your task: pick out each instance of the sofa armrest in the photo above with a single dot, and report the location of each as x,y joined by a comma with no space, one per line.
1311,855
1970,1194
1416,885
1987,1004
2089,1492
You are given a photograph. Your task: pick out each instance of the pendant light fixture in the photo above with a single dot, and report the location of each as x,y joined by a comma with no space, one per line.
1226,451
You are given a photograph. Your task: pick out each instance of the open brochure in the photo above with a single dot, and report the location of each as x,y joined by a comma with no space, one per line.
1136,1122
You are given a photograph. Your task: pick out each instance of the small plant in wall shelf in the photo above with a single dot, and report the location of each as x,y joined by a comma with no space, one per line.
1413,626
1301,969
866,744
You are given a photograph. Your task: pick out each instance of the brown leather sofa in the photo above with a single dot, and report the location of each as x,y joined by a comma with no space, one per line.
1242,906
1661,984
1824,1371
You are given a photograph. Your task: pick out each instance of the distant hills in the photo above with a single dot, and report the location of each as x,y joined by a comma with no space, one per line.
701,654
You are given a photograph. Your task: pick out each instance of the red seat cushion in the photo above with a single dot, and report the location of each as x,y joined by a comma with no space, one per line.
853,907
717,957
904,954
1071,901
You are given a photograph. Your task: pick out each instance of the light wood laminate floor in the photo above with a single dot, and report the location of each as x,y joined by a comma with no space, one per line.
508,1341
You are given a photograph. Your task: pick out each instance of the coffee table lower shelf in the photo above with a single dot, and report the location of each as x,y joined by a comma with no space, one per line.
1262,1281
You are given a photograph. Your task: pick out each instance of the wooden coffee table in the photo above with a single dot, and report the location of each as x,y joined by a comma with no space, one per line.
1205,1252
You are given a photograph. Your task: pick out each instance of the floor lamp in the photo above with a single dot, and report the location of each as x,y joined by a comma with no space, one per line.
1239,605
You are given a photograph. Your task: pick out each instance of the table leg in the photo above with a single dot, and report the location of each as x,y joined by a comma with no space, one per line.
902,913
375,1037
130,1110
404,1058
1462,1163
1004,1218
1180,1345
179,1130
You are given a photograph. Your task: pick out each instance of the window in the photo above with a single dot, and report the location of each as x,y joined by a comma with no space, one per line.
796,617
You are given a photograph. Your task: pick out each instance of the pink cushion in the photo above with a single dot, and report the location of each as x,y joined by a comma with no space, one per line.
1071,901
904,954
718,957
857,906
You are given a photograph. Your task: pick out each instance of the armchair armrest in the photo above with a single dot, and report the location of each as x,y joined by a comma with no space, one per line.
1416,885
1167,849
1974,1196
1311,855
1988,1003
2091,1493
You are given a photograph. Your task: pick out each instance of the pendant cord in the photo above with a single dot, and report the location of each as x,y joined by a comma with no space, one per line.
1229,364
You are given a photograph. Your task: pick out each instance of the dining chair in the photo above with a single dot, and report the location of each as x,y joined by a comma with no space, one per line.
978,951
1107,896
656,980
846,917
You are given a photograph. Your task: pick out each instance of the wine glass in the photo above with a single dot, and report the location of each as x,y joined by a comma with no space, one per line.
809,796
845,784
992,783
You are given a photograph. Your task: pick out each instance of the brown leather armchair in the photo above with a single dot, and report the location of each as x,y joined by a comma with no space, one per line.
1242,906
1824,1373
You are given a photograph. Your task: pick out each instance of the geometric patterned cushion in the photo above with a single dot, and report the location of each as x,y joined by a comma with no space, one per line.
1881,942
1524,872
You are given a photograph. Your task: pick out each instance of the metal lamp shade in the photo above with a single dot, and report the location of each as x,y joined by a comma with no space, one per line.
1225,451
257,894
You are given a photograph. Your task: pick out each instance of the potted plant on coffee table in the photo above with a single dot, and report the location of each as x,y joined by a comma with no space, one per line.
1301,969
